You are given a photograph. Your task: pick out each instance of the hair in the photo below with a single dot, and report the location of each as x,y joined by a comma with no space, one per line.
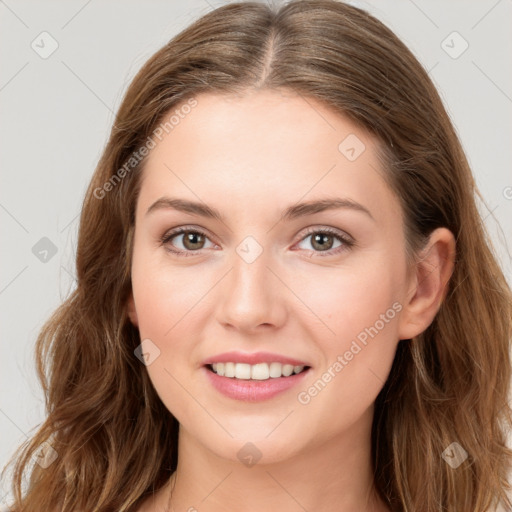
114,439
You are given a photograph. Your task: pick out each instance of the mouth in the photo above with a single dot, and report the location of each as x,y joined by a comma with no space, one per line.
256,372
258,382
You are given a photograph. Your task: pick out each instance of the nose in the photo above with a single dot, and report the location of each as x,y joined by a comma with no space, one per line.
252,297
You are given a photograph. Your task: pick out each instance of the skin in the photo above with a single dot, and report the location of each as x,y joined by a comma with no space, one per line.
251,156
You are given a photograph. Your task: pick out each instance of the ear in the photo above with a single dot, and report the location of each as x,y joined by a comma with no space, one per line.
132,312
428,283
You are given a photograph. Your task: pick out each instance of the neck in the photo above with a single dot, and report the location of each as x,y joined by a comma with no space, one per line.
333,476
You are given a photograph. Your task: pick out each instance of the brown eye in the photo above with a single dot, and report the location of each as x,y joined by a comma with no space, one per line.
182,241
193,240
322,241
325,242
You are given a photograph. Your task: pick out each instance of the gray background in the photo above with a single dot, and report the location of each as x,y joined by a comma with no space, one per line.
56,113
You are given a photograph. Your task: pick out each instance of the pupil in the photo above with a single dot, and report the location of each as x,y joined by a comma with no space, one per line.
321,245
189,239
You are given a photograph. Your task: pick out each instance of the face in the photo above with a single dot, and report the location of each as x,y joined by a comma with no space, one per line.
320,287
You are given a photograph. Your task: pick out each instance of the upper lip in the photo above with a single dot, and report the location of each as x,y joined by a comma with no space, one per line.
253,358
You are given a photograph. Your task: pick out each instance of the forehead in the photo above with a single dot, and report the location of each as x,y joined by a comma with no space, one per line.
268,147
260,127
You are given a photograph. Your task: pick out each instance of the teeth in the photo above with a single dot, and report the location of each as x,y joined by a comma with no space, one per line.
260,371
229,369
275,370
287,370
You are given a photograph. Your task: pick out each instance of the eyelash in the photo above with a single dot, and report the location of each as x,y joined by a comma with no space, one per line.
347,243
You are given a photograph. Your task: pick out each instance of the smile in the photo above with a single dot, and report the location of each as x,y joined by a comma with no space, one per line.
260,371
254,383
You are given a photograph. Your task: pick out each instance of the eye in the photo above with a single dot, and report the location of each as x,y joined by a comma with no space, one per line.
191,240
324,241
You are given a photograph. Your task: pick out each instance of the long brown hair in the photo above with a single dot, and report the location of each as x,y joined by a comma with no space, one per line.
114,439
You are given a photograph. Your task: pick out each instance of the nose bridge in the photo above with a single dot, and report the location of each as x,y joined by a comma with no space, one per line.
251,294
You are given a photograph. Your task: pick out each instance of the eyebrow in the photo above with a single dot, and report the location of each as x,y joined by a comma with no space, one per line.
292,212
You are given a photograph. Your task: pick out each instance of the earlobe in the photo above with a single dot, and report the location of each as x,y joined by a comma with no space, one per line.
132,312
429,283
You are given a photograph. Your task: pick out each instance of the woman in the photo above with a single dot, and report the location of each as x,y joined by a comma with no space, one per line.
286,297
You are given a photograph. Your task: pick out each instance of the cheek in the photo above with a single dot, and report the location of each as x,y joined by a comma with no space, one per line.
165,296
361,308
165,301
173,303
361,305
350,300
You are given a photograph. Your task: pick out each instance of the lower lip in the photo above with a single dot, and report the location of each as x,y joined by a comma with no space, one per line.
253,390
